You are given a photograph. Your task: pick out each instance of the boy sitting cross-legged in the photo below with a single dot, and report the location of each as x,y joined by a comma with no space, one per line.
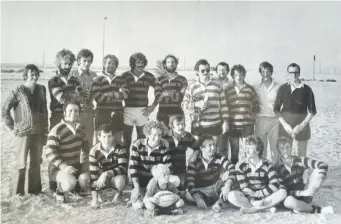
108,166
258,181
203,176
160,182
291,169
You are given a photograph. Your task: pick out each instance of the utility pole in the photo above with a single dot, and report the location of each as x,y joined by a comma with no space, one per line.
105,18
314,69
43,59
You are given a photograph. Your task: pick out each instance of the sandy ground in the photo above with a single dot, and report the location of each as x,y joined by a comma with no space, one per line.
325,146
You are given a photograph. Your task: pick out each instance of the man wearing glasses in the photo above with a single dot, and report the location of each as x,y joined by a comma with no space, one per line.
295,106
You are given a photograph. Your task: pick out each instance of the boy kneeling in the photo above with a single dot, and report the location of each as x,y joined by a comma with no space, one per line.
203,176
160,183
258,181
291,169
108,166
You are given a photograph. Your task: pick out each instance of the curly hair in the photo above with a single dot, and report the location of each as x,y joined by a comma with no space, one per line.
135,57
255,140
170,56
32,68
154,124
85,53
111,57
238,68
266,65
160,170
283,140
63,54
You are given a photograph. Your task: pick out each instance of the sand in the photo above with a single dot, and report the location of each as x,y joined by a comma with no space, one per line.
325,145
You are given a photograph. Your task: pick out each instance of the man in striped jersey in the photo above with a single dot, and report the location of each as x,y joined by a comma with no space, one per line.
62,88
136,110
86,77
203,176
67,151
108,166
146,153
206,96
291,169
258,181
241,99
108,92
182,146
173,87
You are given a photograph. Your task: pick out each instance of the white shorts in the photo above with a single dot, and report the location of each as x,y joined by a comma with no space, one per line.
134,116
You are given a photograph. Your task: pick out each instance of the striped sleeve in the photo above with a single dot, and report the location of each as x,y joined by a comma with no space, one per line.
94,167
223,106
134,163
10,103
190,178
278,102
122,162
187,99
183,89
98,93
314,164
60,94
255,102
157,90
51,147
227,165
273,185
241,177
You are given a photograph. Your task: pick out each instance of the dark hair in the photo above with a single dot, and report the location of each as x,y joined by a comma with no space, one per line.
62,54
294,65
239,68
32,68
255,140
265,65
105,128
203,138
175,118
110,56
74,102
283,140
169,56
223,64
201,62
85,53
135,57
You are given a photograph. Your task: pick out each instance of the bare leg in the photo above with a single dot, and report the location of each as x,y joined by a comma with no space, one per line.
119,182
238,199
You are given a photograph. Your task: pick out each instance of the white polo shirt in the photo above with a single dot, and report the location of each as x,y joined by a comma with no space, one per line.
266,98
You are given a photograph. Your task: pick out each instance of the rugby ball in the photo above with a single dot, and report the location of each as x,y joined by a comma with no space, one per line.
166,198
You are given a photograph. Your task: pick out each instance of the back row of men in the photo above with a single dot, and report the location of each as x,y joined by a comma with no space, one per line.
223,109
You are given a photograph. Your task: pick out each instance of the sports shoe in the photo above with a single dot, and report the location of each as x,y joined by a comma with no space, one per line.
327,210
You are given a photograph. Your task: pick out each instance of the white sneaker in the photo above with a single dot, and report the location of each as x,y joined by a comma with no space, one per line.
271,210
327,210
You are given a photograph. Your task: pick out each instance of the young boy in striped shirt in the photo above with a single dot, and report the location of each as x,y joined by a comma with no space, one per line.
258,181
203,179
67,151
242,101
291,169
108,166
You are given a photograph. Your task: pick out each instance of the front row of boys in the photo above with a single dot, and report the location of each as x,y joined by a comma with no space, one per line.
252,185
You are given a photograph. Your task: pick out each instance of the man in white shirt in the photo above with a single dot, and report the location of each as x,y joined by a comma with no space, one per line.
267,123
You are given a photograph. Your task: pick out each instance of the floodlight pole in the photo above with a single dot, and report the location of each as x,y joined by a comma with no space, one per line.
105,18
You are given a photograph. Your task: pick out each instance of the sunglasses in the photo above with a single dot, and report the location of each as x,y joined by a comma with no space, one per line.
204,70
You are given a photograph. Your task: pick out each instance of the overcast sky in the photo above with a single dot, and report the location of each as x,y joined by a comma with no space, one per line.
236,32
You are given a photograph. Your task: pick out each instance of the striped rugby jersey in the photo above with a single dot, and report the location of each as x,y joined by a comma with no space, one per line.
61,91
178,150
242,106
177,85
217,110
115,162
292,179
138,91
198,176
140,161
100,89
66,146
264,180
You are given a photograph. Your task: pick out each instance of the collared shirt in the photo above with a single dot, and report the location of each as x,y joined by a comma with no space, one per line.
254,168
293,86
238,89
73,129
108,77
137,78
205,162
267,98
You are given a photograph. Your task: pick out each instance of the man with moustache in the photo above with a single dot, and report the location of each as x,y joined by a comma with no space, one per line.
266,126
173,87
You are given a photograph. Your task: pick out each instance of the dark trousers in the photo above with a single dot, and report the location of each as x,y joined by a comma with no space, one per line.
55,118
127,133
33,145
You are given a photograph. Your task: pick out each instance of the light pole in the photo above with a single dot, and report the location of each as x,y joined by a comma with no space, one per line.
105,18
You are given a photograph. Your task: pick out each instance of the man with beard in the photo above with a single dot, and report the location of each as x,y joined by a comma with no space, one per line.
62,88
108,92
136,110
173,87
86,77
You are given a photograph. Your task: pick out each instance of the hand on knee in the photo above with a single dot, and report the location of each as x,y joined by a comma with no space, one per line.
119,182
149,204
289,202
66,182
180,203
84,181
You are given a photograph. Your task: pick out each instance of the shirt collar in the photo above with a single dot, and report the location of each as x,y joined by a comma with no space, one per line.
81,72
107,77
293,87
176,76
63,77
205,84
105,153
206,163
70,127
137,78
258,165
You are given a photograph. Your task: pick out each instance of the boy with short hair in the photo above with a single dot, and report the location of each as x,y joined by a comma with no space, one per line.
203,179
258,181
291,169
108,166
160,182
